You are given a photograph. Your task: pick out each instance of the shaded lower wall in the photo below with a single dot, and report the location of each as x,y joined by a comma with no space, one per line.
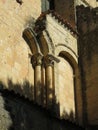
87,21
89,76
17,113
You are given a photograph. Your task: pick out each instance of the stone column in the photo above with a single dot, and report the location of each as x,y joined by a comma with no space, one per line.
36,61
49,84
49,75
43,87
49,81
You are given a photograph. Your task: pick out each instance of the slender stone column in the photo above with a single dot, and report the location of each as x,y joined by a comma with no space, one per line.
49,64
43,87
36,61
49,84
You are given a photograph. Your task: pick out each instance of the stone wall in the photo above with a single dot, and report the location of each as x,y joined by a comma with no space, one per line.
61,35
19,75
19,113
65,46
88,62
65,86
14,52
66,10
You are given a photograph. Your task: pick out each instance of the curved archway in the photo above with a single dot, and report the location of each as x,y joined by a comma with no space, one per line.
70,53
66,89
67,56
67,77
44,48
45,43
30,38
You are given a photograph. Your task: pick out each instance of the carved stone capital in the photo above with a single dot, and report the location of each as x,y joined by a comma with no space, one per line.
49,60
36,59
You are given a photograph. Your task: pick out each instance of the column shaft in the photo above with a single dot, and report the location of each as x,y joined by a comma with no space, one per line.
49,84
43,87
36,61
49,74
37,83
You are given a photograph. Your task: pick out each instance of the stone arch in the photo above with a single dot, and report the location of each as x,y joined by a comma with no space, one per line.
31,40
69,58
69,52
72,59
36,61
44,48
45,43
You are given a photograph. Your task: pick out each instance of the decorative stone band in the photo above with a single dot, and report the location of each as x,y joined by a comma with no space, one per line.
36,60
49,60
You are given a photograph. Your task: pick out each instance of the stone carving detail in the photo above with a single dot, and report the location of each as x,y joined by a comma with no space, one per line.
49,60
36,60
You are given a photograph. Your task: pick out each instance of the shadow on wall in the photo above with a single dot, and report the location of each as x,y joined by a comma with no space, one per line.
25,89
18,113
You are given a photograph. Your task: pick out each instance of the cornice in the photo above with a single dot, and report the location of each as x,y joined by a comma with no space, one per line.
40,22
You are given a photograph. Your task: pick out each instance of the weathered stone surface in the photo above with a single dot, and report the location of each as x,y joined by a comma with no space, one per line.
92,3
14,53
17,73
18,113
88,62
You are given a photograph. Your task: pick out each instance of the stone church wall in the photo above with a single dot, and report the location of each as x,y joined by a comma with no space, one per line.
66,42
14,53
16,71
88,61
66,10
17,113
